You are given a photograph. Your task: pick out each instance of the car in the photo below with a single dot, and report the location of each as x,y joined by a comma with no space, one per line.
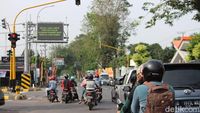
104,77
2,100
185,79
111,81
121,91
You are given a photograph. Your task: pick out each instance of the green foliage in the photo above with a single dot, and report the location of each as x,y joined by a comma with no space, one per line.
142,55
85,49
169,10
107,23
196,51
60,51
155,51
168,54
132,47
193,48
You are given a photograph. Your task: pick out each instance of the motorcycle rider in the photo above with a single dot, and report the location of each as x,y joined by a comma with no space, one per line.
152,71
91,86
83,84
97,80
74,85
66,84
99,89
52,86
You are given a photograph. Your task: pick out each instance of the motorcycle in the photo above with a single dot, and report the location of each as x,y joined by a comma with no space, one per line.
90,99
51,95
66,95
99,94
74,93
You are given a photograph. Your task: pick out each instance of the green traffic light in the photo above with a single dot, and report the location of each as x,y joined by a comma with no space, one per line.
9,53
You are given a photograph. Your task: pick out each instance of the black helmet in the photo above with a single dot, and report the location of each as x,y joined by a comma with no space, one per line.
132,78
153,70
66,76
90,77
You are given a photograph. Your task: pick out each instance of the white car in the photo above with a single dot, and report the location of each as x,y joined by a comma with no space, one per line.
122,90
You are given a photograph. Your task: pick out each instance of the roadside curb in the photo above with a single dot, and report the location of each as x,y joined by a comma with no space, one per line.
15,97
22,96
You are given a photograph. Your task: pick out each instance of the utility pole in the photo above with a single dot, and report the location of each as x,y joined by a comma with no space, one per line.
26,62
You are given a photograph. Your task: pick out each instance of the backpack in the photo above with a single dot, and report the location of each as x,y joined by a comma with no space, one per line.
159,99
66,84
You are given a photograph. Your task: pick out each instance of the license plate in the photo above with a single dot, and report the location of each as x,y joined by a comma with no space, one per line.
89,97
188,103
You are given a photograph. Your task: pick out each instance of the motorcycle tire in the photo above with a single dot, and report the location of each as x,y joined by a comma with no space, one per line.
52,98
99,99
90,105
66,99
75,96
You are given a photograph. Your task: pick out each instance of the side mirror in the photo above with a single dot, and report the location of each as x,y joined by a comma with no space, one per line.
126,88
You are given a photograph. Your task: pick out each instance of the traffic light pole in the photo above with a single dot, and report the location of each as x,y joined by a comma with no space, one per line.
12,59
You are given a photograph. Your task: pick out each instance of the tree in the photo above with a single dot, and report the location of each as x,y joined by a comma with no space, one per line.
107,23
168,54
169,10
85,49
196,51
156,51
60,51
132,47
142,55
193,48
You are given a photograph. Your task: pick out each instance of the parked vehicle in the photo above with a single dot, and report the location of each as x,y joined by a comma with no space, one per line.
2,100
185,79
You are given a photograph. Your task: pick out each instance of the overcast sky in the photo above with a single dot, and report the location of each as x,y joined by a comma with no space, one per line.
68,12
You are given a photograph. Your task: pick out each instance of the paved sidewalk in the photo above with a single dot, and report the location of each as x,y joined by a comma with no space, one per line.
8,95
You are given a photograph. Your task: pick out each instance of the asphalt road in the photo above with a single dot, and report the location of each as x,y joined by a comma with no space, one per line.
38,103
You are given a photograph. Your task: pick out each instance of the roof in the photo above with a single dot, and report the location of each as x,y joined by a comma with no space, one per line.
177,43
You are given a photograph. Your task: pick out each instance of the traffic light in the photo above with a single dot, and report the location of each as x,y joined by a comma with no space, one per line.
4,23
78,2
13,37
9,53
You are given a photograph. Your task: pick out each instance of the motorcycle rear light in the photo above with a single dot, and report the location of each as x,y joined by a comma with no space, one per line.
89,94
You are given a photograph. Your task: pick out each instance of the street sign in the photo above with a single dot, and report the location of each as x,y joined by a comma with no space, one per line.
7,59
58,61
50,31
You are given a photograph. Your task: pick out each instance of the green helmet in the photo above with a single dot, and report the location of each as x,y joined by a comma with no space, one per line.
72,78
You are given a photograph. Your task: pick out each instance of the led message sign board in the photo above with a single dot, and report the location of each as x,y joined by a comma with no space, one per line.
50,31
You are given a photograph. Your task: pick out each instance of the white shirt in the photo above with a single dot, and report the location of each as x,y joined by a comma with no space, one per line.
90,85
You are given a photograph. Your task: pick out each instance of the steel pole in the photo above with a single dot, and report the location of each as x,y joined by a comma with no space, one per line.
26,49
